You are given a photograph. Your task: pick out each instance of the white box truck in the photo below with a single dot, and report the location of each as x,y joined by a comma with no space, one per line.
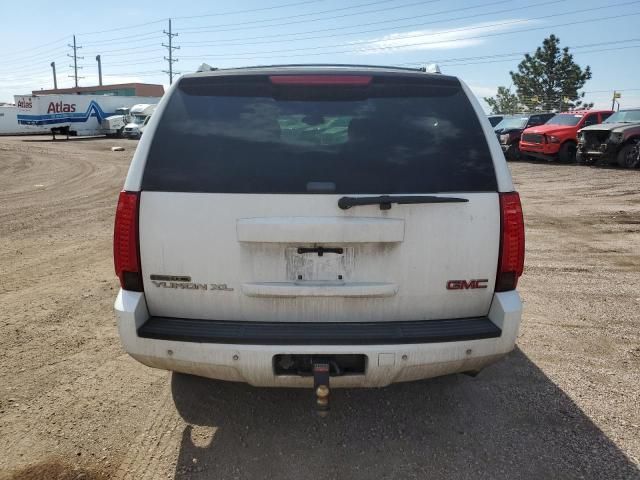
138,118
72,114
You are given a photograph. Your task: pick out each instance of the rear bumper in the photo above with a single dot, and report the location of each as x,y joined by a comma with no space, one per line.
394,356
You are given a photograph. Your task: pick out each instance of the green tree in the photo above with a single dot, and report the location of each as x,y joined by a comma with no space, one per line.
504,102
550,79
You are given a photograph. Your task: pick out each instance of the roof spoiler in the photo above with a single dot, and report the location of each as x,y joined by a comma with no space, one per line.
430,68
205,67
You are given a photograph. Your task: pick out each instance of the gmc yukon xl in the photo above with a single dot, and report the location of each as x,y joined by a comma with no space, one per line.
299,225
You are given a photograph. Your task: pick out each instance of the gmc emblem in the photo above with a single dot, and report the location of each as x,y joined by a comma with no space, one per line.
466,285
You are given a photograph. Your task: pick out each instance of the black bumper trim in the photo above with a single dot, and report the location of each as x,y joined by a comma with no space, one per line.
304,333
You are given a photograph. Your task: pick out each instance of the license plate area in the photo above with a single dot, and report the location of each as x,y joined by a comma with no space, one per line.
319,263
302,365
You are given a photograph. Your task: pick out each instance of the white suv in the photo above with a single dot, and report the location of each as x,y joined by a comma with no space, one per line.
295,225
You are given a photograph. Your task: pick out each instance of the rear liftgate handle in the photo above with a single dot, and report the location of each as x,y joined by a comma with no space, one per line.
321,385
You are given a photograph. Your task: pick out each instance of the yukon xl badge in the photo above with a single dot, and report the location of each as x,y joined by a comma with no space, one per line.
466,285
183,282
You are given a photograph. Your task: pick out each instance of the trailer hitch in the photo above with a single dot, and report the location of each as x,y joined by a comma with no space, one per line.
321,369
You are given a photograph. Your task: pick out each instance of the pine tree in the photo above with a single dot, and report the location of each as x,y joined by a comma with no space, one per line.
549,79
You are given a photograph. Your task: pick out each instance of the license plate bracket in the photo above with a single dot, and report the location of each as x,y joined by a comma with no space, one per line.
319,264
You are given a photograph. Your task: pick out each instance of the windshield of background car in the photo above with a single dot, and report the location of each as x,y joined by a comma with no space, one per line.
565,119
624,116
508,123
245,134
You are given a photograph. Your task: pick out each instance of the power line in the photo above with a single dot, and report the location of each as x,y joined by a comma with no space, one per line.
20,52
128,27
511,60
397,47
385,22
30,58
497,55
126,38
479,27
252,10
372,23
217,28
140,61
153,22
129,49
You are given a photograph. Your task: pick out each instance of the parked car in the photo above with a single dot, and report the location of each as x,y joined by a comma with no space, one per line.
270,234
557,139
616,140
511,127
495,119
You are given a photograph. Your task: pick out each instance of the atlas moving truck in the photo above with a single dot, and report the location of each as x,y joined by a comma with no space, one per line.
9,123
73,114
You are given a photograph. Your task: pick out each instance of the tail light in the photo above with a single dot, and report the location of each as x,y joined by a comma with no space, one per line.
126,249
320,79
511,258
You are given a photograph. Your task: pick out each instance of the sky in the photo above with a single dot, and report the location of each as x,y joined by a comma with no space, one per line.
479,41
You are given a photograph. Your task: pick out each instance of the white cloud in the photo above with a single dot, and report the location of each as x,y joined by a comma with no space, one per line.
440,39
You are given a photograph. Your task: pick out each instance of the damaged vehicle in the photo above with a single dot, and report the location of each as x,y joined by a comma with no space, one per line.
556,139
495,119
616,140
510,129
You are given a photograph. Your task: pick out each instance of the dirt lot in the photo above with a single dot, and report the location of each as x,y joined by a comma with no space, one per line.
565,404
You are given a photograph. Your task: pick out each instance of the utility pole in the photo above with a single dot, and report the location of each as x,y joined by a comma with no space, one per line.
171,48
75,60
99,70
616,95
55,80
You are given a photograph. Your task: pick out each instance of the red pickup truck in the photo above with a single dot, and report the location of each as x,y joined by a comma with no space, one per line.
557,139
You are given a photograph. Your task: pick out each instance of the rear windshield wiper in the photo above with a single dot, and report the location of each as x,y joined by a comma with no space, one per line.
385,201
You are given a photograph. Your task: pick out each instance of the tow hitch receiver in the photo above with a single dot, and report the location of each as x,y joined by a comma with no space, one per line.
321,385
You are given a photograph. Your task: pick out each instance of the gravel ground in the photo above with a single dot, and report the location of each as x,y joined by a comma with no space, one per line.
565,404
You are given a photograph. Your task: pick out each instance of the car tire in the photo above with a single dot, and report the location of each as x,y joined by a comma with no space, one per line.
567,152
629,155
513,153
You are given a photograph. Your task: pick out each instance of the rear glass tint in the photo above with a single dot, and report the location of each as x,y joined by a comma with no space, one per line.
244,135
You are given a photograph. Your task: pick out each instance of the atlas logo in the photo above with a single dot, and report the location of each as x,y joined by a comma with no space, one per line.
59,107
467,284
25,103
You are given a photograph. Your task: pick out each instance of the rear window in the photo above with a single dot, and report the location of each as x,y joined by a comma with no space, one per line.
244,134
